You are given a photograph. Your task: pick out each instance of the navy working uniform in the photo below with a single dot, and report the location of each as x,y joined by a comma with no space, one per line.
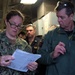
7,48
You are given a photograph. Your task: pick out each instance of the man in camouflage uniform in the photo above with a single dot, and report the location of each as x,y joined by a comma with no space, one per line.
9,43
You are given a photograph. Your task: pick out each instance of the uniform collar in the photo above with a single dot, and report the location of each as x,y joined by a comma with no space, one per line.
61,30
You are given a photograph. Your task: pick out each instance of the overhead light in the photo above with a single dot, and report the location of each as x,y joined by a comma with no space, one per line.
28,1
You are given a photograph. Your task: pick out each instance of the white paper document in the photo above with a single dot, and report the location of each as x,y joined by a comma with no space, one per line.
22,59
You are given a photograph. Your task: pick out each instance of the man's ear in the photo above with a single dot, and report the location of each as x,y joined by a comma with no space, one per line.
72,15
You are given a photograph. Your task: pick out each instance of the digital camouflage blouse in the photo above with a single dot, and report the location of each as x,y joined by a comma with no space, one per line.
7,48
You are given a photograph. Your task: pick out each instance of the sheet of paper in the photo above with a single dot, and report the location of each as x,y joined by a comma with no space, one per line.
22,59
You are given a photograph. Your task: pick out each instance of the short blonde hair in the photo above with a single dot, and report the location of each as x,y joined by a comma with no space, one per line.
30,25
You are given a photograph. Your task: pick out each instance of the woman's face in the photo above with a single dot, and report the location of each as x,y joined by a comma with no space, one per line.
13,25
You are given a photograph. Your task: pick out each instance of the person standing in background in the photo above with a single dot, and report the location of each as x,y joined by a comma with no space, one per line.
31,38
9,43
36,43
58,49
22,35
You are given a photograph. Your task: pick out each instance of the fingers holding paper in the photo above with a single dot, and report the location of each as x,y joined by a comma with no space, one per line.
5,60
32,66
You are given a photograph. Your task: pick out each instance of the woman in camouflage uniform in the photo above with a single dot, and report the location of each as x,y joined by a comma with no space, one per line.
9,43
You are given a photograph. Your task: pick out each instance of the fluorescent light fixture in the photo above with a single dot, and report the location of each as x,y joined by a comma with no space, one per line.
28,1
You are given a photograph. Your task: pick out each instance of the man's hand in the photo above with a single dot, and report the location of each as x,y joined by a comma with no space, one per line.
59,49
5,60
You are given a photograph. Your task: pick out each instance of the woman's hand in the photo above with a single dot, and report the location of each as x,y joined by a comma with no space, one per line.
5,60
32,66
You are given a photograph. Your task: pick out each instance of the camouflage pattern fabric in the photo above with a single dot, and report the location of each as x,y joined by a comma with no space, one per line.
7,48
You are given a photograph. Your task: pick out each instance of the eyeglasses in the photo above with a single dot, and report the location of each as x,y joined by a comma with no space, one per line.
14,25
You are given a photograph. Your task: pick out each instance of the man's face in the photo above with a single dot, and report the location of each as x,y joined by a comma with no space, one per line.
63,19
13,25
30,32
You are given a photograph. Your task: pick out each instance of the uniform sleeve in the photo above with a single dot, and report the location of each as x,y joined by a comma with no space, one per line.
28,48
46,50
22,44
